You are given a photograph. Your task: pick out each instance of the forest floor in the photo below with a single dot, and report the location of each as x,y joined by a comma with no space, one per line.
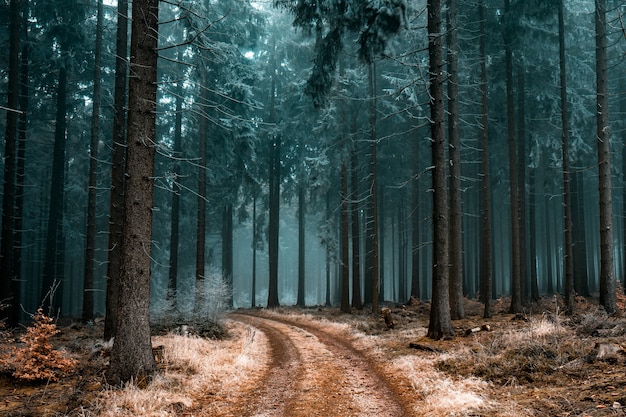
319,362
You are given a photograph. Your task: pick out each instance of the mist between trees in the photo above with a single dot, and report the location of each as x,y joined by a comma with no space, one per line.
294,154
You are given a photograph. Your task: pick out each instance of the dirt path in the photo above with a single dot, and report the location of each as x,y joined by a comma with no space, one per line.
315,373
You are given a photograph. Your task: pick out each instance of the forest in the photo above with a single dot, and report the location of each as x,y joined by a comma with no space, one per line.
213,155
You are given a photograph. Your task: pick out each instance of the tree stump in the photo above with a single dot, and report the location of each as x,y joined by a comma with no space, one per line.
387,316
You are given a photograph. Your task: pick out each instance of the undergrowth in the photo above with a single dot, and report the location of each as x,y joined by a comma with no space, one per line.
36,359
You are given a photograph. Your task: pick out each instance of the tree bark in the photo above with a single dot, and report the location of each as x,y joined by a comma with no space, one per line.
486,257
607,266
440,325
202,192
49,285
567,204
374,200
227,251
7,274
357,303
516,293
301,247
90,249
116,205
172,282
345,262
131,355
454,138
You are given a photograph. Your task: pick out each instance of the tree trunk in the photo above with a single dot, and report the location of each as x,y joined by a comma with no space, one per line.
345,265
454,138
328,254
486,254
415,225
7,274
50,284
202,192
172,282
567,204
607,266
90,249
440,325
131,355
14,312
254,248
521,171
374,200
116,205
301,242
357,303
274,206
516,298
227,251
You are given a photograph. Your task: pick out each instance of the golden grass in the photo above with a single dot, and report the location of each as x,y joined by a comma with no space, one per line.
192,367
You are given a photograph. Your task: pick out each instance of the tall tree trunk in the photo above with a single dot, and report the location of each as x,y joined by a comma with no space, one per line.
274,205
382,231
357,303
328,302
568,259
416,197
202,192
374,200
90,244
14,313
172,282
116,205
50,283
345,262
131,355
454,138
521,172
516,296
607,266
440,325
532,204
7,274
301,242
486,254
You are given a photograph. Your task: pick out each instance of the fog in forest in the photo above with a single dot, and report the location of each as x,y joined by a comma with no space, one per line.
255,114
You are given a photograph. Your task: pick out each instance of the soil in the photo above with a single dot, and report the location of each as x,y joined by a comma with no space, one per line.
320,362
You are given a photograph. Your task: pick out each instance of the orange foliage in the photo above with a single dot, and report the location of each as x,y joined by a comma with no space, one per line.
37,360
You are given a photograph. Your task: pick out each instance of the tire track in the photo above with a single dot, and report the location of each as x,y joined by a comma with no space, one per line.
315,373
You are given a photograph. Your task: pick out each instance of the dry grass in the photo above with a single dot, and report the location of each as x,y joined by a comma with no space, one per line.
192,367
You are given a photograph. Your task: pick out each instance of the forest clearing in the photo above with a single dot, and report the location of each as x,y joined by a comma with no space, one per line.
318,361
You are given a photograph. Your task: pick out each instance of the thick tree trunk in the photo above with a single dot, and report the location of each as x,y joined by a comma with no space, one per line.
116,206
51,290
415,225
7,274
607,266
254,248
454,138
567,204
131,355
328,302
90,247
440,325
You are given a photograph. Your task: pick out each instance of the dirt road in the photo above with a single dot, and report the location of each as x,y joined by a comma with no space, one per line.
314,372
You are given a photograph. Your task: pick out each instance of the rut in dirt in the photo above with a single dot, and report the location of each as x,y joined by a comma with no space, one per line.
314,372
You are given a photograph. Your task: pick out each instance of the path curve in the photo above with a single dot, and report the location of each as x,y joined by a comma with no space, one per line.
315,373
